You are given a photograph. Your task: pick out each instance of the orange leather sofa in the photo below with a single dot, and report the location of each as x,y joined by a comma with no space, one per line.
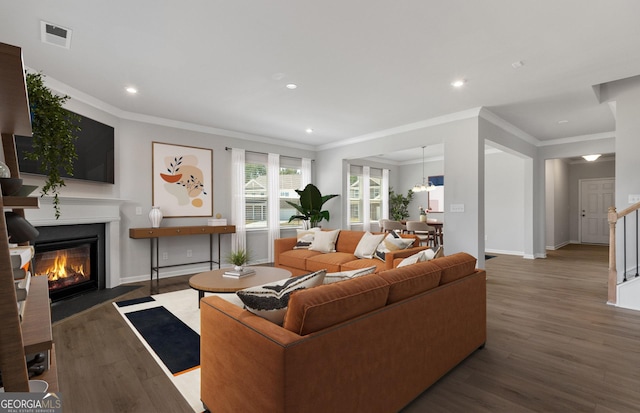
368,344
302,261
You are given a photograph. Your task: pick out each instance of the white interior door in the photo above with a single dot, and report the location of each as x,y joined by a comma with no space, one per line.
596,196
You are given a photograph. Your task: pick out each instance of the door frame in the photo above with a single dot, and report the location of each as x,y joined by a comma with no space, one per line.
580,181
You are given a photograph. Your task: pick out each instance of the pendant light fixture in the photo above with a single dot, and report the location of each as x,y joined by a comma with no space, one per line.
424,187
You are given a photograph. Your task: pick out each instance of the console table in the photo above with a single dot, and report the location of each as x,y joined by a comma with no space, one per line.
154,234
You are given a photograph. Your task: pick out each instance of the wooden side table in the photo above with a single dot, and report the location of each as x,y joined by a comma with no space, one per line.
154,234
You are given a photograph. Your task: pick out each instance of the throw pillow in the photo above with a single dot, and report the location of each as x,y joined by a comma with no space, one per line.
270,301
305,238
392,244
424,255
325,241
367,245
333,277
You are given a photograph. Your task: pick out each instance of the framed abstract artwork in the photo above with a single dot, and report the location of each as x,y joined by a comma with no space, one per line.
182,180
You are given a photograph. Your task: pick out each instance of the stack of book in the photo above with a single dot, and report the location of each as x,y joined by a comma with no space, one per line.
239,273
20,261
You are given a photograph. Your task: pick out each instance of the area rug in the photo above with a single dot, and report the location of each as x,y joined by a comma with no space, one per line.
169,327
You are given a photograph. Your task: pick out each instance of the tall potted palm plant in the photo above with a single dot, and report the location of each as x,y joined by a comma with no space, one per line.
310,206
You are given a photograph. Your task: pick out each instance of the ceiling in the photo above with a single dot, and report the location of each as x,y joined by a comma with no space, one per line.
361,66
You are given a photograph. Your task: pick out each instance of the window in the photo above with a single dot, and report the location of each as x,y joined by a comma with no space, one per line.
356,201
256,185
255,191
355,191
290,180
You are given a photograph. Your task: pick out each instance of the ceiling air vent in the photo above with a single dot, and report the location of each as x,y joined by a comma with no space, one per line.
55,35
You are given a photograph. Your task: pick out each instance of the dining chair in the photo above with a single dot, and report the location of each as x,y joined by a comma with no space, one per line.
388,225
425,232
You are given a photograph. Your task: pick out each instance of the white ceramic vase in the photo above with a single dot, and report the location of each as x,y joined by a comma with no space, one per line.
155,216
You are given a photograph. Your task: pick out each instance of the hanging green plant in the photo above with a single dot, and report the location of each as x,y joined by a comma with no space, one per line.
54,130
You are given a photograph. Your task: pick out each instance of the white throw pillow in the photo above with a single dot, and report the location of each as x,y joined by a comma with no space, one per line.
305,237
270,301
325,241
367,245
390,243
424,255
333,277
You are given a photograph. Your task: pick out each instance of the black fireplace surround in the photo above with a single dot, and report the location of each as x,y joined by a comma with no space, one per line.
59,237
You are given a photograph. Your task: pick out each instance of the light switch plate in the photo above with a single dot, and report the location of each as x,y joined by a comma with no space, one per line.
634,198
456,208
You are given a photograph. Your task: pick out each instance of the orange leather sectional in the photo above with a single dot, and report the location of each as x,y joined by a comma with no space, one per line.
368,344
303,261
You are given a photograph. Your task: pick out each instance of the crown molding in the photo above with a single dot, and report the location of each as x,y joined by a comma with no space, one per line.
491,117
451,117
89,100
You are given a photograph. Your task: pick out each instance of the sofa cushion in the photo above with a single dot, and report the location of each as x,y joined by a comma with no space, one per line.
270,300
331,262
410,280
424,255
305,237
455,266
368,244
325,241
332,277
363,263
326,305
296,258
391,243
348,240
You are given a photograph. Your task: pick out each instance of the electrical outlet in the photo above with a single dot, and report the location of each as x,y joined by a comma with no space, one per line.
138,210
189,253
165,255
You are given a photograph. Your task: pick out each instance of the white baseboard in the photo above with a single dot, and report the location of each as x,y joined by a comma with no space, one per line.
183,270
557,247
505,252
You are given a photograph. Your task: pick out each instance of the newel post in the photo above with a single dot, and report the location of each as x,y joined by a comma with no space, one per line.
613,272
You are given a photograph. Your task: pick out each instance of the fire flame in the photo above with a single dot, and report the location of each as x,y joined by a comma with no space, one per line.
60,268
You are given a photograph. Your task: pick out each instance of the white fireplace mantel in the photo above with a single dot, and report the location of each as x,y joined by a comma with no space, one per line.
75,211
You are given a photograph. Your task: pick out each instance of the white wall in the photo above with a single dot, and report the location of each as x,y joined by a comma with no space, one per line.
557,203
504,209
626,94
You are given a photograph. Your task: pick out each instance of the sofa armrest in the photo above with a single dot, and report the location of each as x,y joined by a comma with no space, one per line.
393,255
241,359
281,245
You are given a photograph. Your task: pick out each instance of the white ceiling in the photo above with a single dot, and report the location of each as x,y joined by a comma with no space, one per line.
361,66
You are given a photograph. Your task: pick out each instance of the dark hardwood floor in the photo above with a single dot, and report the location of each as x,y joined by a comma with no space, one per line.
553,346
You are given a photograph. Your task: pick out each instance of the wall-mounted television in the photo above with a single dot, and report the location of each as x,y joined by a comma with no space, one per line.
94,147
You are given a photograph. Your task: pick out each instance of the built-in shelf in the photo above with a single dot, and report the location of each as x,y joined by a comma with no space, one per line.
22,202
31,334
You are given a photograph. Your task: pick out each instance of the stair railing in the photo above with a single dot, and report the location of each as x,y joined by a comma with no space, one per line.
613,218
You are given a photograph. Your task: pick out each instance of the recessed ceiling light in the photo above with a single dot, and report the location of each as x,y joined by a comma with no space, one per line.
309,130
458,83
563,121
132,90
291,86
518,64
591,158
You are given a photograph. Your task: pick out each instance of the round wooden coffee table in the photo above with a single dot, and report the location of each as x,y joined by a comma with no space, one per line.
215,282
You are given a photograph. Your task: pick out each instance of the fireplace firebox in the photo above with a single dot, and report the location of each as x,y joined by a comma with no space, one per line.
72,258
